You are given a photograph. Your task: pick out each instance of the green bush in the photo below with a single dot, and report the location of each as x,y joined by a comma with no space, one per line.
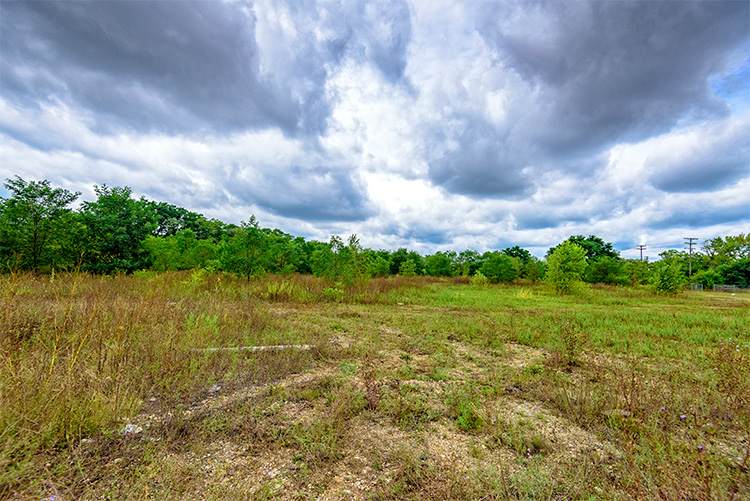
501,268
666,277
565,267
479,279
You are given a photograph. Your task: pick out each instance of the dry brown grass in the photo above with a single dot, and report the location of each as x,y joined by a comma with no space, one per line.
416,389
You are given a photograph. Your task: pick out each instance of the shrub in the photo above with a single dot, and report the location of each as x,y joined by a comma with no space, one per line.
479,279
565,267
501,268
666,277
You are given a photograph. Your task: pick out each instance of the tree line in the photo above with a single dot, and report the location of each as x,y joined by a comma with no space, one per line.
117,233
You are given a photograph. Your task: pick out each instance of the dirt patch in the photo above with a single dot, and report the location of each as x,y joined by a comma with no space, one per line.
565,438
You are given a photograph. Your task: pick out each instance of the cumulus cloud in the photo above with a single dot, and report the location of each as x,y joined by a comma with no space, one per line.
194,66
702,159
431,125
477,163
614,71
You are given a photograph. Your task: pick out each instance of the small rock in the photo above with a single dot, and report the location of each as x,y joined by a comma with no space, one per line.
214,388
131,429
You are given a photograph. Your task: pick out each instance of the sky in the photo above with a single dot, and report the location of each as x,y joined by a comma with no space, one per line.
427,124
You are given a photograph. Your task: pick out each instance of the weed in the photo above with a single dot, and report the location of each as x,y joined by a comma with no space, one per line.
652,384
463,403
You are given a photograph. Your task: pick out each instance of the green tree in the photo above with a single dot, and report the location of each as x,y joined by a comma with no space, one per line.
398,257
708,277
341,262
593,246
736,272
408,268
517,252
439,265
245,251
116,231
666,276
31,222
606,270
533,269
468,261
379,264
163,252
499,267
285,252
636,271
565,266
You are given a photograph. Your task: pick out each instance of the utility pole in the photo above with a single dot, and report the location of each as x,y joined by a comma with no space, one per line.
640,248
690,241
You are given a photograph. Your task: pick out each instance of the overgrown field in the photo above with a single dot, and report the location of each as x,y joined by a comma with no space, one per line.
393,389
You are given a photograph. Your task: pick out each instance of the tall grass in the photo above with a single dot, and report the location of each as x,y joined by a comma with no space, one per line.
664,380
81,353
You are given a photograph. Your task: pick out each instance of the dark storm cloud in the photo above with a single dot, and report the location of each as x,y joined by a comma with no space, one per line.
703,166
612,71
147,64
310,194
696,217
546,217
187,66
480,165
425,234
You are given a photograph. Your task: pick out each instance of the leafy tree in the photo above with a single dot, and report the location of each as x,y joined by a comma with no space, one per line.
479,279
397,258
182,251
163,252
635,270
606,270
593,246
309,249
379,265
31,222
439,265
408,268
565,266
285,252
171,219
341,262
708,277
468,262
245,252
499,267
533,269
666,276
517,252
736,273
116,230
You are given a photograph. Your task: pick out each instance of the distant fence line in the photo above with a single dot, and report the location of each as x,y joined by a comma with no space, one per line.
720,288
730,288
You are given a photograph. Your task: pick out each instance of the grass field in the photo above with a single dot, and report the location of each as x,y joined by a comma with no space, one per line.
394,389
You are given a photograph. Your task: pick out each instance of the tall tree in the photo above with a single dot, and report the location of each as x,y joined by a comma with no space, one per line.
565,266
593,246
245,252
30,221
117,227
439,264
516,251
501,267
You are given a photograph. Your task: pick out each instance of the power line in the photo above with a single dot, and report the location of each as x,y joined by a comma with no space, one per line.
690,241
